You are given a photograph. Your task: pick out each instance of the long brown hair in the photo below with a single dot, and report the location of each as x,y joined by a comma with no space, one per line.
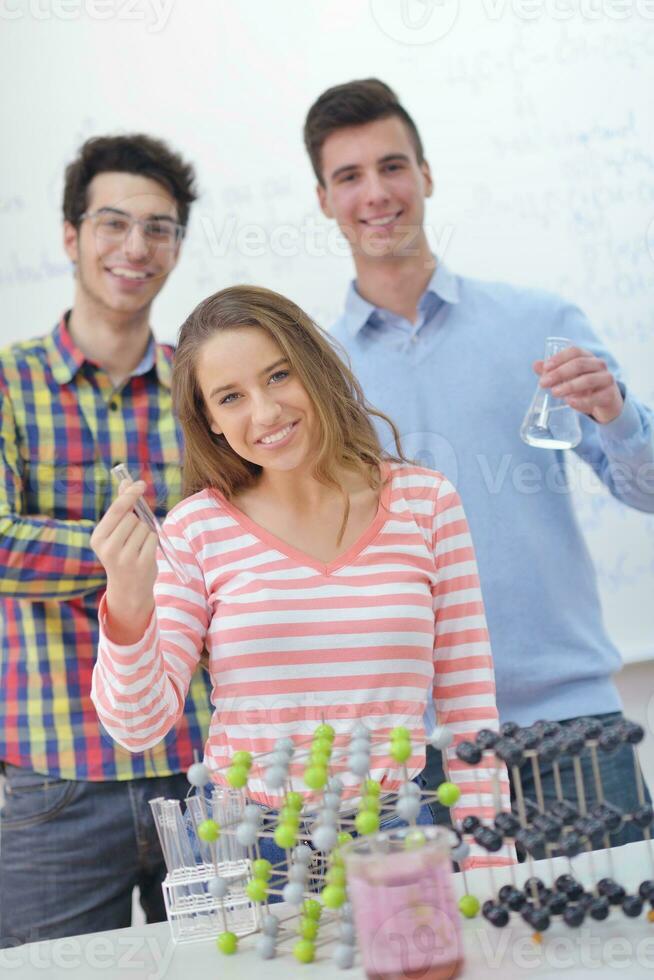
347,436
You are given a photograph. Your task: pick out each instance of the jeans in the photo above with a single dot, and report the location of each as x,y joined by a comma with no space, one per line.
617,775
71,853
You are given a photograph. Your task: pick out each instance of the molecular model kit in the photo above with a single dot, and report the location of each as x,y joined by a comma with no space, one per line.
220,885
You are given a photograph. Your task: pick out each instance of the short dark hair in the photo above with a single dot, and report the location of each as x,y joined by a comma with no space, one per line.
353,104
132,154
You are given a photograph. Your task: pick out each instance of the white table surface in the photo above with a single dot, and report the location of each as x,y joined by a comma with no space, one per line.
616,947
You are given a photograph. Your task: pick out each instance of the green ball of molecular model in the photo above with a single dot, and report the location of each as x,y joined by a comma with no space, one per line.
262,869
257,890
469,906
208,831
304,951
237,776
335,876
333,896
242,758
312,909
308,928
448,794
294,801
324,731
227,943
315,776
366,822
285,836
401,750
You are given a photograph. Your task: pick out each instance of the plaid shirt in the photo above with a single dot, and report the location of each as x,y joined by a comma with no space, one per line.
62,426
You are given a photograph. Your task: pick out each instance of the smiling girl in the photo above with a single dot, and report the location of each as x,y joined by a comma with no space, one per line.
330,580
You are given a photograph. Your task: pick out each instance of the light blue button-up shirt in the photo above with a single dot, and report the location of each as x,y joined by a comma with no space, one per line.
457,383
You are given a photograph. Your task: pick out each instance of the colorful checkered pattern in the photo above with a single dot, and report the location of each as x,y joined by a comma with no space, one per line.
62,426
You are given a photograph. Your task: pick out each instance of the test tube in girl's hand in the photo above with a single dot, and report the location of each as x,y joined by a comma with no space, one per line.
143,512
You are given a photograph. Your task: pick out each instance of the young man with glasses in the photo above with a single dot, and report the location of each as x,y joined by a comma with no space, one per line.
76,832
449,359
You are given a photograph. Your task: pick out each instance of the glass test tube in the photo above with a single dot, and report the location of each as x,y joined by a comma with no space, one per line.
144,513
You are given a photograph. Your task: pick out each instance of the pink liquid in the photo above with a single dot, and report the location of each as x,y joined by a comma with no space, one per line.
448,971
406,918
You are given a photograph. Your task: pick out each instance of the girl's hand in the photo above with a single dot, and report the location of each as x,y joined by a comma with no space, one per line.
127,549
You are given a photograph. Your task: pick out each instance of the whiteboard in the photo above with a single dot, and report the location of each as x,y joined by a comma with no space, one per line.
536,118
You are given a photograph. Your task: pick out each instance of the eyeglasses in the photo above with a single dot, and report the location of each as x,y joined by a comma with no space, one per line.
115,226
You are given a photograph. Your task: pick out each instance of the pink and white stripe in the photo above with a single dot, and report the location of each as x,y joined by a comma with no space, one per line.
395,620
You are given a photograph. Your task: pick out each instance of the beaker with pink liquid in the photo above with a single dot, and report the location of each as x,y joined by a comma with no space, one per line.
406,917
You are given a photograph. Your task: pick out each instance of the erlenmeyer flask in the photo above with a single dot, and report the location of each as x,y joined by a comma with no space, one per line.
549,422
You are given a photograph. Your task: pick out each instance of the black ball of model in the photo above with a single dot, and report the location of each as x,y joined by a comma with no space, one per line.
509,729
469,753
572,743
549,749
537,917
497,915
531,840
512,897
643,816
599,909
632,906
610,740
548,825
646,890
556,903
574,915
532,884
509,752
507,823
611,890
564,810
609,814
486,738
571,844
590,728
591,828
491,840
528,738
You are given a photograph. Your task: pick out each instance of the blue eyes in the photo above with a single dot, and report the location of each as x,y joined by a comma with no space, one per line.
273,379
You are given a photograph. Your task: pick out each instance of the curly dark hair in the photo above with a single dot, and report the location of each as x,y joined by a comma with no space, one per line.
132,154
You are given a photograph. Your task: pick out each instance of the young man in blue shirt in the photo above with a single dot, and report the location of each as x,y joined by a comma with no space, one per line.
449,358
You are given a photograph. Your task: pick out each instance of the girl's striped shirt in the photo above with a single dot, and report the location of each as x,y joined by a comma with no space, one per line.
371,636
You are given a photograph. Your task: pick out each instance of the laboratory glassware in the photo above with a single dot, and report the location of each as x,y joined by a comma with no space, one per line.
144,513
549,422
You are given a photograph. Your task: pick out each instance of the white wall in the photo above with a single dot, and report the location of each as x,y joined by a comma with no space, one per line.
536,118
